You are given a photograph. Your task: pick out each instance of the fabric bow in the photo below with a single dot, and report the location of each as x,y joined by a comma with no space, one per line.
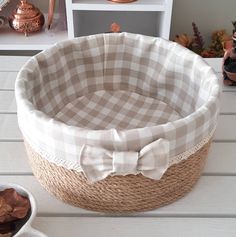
152,161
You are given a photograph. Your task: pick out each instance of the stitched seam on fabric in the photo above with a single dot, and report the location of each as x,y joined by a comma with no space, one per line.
75,166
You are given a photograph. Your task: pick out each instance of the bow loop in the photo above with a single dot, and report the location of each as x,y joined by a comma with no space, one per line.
152,161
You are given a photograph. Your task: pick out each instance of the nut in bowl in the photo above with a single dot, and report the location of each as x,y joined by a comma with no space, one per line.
15,195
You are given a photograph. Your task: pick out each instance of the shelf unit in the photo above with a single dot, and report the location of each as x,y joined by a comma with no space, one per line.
10,40
141,16
85,17
101,5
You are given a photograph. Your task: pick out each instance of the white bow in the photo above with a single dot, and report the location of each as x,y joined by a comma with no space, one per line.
152,161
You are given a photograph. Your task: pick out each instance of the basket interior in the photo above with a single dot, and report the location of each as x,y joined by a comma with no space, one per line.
116,109
120,82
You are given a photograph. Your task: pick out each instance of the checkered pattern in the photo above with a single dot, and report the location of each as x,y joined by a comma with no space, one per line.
152,161
118,91
116,109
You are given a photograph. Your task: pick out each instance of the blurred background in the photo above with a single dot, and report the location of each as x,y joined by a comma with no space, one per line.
209,15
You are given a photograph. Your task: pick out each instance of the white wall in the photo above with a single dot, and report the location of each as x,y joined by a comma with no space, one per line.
209,15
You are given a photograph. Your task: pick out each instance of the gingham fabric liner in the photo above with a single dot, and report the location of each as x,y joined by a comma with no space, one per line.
149,66
116,109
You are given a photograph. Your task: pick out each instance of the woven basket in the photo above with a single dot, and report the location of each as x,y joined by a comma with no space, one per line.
119,194
117,123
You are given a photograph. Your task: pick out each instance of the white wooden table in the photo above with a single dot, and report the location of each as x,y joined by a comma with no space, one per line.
209,210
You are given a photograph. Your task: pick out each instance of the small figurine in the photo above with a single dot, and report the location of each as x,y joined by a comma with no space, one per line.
115,28
26,18
229,62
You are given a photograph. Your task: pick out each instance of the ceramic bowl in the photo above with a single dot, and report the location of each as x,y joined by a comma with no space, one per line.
231,75
26,230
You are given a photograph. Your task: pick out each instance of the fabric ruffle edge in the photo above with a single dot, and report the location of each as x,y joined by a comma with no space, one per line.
75,166
185,155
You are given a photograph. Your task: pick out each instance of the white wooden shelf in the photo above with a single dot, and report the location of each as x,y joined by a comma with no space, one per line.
148,17
105,5
86,17
11,40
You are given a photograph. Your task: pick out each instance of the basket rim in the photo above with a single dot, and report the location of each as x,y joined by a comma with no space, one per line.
56,139
43,116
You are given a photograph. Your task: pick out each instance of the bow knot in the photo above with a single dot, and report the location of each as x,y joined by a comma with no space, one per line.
125,162
152,161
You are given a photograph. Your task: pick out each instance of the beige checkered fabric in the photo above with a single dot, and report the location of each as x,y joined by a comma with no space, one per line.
116,109
117,162
119,92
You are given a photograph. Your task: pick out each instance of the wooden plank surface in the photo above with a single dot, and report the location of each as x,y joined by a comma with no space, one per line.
229,88
226,129
13,159
7,80
212,196
138,227
12,63
221,159
7,102
228,102
9,129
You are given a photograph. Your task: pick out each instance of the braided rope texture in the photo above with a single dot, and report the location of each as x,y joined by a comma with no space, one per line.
119,194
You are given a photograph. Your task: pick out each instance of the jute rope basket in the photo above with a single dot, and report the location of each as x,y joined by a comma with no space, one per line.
119,194
117,123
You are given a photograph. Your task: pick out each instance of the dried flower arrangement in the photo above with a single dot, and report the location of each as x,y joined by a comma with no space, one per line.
14,209
196,42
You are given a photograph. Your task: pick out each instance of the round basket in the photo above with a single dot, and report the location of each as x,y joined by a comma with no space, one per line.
117,122
119,194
